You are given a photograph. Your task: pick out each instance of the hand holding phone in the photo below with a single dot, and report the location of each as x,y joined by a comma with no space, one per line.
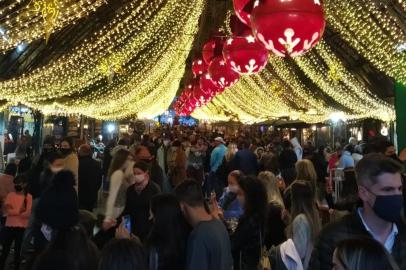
124,230
127,222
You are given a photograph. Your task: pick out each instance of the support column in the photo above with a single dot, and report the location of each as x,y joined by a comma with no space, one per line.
37,135
400,106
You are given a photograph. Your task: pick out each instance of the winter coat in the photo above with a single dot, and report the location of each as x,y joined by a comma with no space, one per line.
245,244
90,178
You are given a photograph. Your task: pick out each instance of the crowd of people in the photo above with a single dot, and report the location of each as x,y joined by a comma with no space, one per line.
184,199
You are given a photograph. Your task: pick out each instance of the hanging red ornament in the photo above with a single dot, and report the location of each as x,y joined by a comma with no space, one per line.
222,74
203,97
243,10
245,55
212,48
238,28
199,67
208,86
188,108
288,27
189,93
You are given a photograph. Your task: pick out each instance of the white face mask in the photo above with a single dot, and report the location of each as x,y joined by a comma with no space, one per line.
56,170
166,143
233,189
139,178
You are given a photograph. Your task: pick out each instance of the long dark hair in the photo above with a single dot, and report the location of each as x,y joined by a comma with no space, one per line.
118,161
70,247
122,254
169,231
256,199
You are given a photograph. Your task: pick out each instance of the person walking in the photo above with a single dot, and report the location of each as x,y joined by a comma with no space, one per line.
90,178
216,159
71,158
17,208
208,245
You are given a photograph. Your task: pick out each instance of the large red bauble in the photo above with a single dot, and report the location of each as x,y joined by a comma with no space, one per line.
245,55
212,49
241,10
288,27
199,67
222,74
208,86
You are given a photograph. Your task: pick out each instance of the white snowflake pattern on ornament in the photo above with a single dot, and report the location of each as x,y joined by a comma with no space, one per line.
251,67
289,43
269,45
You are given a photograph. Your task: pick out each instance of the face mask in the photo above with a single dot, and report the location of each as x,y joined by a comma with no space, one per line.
394,157
18,188
388,207
166,143
66,151
55,170
47,232
233,189
139,178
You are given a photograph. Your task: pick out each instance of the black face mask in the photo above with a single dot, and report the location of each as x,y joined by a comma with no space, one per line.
18,188
66,151
146,160
395,157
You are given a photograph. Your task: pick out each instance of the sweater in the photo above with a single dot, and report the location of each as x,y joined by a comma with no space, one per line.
12,205
117,195
217,157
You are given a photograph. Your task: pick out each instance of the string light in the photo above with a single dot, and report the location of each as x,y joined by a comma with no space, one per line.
372,31
25,25
143,41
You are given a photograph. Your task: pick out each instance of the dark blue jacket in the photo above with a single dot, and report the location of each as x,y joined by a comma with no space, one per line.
246,161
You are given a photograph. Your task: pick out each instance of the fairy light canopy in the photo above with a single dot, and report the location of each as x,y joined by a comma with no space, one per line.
114,59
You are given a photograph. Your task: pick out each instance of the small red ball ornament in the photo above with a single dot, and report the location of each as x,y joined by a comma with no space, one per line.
222,73
288,27
199,67
245,55
202,96
212,49
208,86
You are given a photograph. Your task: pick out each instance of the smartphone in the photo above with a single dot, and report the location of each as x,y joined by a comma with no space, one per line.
127,222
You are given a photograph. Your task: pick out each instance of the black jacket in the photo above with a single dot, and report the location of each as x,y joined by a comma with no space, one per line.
287,159
137,206
245,244
348,227
90,179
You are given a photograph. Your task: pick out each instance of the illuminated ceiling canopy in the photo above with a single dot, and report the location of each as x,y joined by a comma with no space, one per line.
114,59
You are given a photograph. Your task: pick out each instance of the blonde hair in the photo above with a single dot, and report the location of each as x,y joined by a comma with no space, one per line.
231,150
303,202
305,171
270,182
